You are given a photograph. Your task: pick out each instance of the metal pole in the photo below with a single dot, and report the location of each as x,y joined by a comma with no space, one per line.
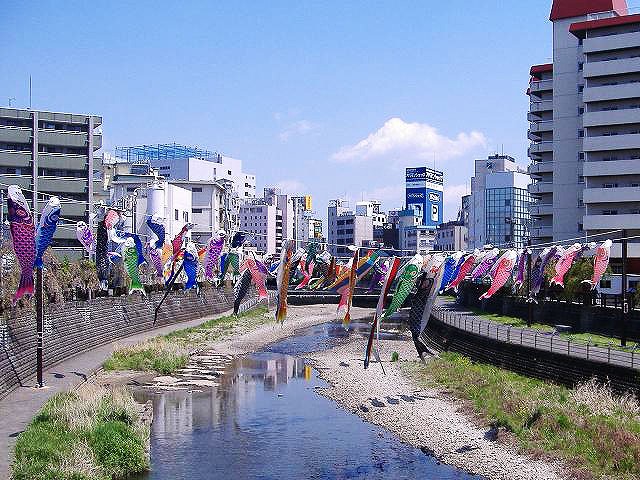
625,307
529,254
39,327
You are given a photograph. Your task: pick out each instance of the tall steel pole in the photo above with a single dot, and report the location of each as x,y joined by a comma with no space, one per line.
528,253
625,306
39,327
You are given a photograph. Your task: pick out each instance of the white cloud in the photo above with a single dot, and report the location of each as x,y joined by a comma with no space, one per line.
291,186
452,199
397,139
301,127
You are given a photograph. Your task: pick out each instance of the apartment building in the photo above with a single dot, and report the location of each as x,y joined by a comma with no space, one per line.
52,153
262,220
585,124
346,228
413,236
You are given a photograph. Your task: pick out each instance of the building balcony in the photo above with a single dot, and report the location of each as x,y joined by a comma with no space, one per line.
62,161
15,134
610,92
613,167
540,187
23,181
11,158
541,209
541,126
542,232
611,42
61,185
612,117
611,222
537,168
70,209
541,106
611,195
611,67
541,85
611,142
540,147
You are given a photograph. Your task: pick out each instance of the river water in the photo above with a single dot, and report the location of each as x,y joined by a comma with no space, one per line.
266,421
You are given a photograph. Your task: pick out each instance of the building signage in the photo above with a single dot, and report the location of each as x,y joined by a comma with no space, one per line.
424,187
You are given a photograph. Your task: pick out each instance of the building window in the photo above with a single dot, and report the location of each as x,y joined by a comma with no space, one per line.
196,189
176,214
196,210
605,283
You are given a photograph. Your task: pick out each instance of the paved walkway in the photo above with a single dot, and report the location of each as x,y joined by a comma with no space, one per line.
18,408
446,310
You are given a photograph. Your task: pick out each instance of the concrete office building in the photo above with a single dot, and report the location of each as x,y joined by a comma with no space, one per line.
451,236
475,205
284,203
52,153
346,228
263,220
179,162
372,209
413,237
585,124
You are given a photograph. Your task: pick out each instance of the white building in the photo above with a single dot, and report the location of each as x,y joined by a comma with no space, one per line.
219,168
372,209
261,219
145,195
501,182
452,236
413,237
207,208
585,124
346,228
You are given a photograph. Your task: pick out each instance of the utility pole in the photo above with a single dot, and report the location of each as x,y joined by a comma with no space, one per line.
528,252
39,327
625,306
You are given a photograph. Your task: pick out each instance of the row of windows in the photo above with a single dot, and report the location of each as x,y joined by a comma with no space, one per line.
348,221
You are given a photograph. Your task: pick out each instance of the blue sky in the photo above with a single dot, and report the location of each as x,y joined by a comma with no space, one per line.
327,98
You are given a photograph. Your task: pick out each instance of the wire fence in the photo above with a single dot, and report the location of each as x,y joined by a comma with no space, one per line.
544,341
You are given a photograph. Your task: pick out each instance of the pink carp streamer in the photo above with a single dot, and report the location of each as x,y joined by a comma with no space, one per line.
258,276
23,237
503,272
564,263
600,263
465,268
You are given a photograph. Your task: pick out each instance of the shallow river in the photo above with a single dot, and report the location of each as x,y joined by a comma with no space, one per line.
266,421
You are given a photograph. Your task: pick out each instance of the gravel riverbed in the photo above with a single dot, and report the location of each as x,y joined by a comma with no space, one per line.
426,418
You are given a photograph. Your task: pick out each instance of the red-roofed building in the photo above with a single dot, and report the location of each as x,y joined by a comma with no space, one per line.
585,124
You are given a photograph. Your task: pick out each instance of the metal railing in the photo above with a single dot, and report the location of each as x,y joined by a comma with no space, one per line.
544,341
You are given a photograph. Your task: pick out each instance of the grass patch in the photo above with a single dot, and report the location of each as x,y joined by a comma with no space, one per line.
583,338
167,353
94,433
595,431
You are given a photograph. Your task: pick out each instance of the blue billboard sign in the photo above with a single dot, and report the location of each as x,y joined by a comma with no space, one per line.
424,194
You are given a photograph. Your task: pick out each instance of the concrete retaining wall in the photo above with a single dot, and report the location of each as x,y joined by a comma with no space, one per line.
79,326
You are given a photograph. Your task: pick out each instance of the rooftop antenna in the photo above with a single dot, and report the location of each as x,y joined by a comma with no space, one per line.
29,92
434,160
11,99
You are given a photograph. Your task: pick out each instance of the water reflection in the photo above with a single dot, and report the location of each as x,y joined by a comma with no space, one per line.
328,335
265,421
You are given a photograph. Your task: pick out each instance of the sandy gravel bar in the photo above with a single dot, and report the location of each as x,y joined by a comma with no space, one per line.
425,418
